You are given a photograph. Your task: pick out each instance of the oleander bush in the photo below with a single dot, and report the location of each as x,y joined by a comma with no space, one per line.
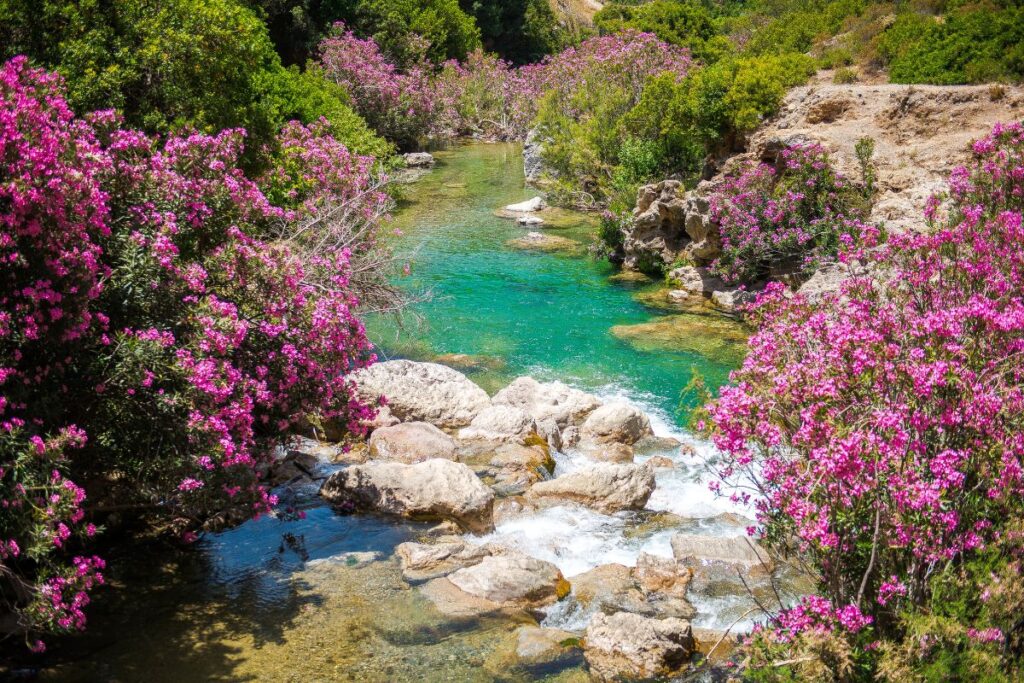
163,325
878,435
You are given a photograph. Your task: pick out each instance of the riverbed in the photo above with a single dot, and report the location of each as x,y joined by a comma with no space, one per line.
322,598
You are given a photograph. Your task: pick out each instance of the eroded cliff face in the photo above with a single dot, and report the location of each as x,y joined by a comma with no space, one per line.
920,132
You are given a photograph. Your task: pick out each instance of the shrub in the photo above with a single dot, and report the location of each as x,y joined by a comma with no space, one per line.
159,331
520,31
844,76
878,433
397,104
412,31
682,23
786,220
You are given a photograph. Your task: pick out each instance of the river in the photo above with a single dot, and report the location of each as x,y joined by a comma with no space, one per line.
321,598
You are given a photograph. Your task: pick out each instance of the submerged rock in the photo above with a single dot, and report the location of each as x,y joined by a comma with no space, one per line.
433,489
627,646
609,588
712,337
544,242
617,422
548,400
411,442
537,646
422,392
468,361
606,488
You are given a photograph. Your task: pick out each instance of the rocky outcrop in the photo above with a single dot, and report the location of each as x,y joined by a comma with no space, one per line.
501,423
548,400
422,392
668,225
605,488
434,489
411,442
617,422
627,646
533,162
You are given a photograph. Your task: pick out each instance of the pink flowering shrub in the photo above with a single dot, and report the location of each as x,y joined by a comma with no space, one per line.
786,220
157,336
397,104
880,433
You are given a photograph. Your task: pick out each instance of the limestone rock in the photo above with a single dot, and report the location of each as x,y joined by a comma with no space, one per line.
411,442
433,489
667,225
418,159
549,400
732,300
627,646
422,561
696,280
512,581
609,452
500,423
714,559
537,646
616,422
530,220
528,206
607,488
423,392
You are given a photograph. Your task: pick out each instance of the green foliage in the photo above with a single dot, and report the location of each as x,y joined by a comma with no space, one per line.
177,65
968,46
307,96
686,23
520,31
411,30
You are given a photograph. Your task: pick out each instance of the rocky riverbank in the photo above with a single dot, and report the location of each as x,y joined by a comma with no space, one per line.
484,467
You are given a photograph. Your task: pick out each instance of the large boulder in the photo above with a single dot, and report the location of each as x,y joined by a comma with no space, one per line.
617,422
607,488
433,489
548,401
628,646
512,581
422,392
411,442
500,423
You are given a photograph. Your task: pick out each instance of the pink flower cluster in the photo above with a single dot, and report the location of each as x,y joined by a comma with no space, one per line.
146,301
777,221
485,96
883,429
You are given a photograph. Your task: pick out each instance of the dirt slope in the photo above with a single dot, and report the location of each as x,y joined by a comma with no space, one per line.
921,132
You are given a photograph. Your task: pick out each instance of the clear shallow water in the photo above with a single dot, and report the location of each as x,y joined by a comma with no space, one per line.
322,598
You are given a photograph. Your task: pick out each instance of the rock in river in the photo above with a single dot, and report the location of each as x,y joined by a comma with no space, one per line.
628,646
434,489
607,488
567,406
498,582
617,422
411,442
529,206
500,423
423,392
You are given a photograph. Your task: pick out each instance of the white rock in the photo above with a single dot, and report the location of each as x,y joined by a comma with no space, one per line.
422,392
500,423
433,489
627,646
529,206
616,422
418,159
411,442
530,220
512,581
550,400
605,487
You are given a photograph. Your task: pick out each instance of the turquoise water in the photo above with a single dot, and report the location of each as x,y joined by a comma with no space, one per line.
548,315
321,598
